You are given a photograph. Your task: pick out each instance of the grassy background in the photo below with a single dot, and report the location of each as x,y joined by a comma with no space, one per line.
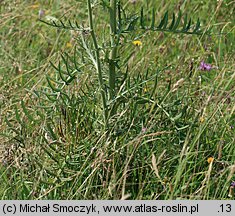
160,141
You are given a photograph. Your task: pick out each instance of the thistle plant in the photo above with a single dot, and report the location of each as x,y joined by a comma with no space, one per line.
120,25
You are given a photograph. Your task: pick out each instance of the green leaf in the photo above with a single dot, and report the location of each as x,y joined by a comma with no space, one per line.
30,117
185,23
11,126
49,152
177,21
66,61
176,117
51,97
197,27
142,100
51,132
142,18
17,115
56,68
105,3
153,19
188,26
172,22
163,22
51,85
69,80
60,24
119,17
61,74
131,26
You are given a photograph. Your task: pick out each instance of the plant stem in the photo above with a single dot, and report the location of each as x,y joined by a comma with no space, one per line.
98,63
113,52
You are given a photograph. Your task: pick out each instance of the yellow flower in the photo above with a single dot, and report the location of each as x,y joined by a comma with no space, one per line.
201,119
69,45
137,42
34,6
210,159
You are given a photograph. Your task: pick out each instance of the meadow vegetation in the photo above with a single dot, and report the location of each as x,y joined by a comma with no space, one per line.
160,127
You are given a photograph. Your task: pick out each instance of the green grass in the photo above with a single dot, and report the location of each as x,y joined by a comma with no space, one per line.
172,116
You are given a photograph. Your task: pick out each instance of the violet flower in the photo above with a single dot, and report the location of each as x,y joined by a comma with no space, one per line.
41,13
144,130
204,66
